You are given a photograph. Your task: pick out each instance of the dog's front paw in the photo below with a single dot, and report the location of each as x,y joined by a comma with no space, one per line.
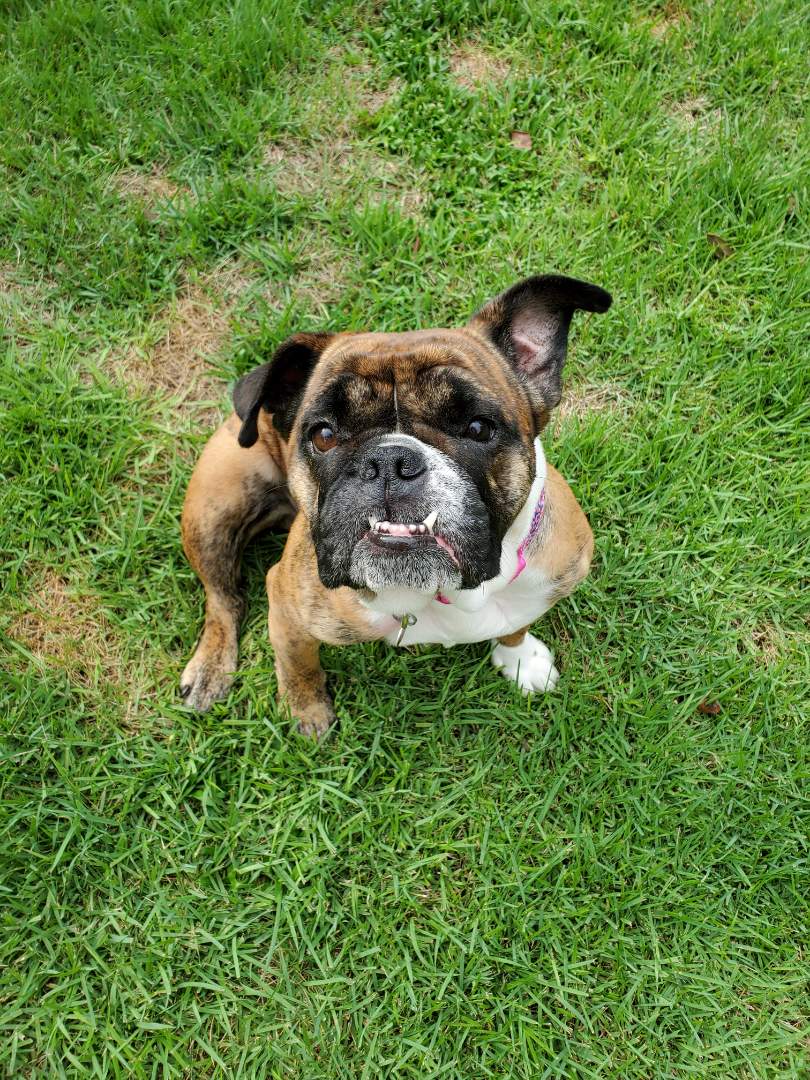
315,721
207,678
310,708
529,664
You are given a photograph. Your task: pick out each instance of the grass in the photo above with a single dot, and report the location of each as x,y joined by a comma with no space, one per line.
608,882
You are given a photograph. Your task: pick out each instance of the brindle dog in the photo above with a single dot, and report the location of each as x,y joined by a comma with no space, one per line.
409,469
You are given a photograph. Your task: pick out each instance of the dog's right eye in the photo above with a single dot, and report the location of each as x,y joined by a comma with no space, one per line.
323,438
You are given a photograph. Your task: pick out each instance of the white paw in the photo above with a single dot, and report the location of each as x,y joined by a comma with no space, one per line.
529,664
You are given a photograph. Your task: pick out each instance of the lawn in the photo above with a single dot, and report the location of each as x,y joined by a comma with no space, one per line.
611,881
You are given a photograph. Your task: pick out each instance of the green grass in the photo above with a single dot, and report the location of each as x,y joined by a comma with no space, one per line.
460,883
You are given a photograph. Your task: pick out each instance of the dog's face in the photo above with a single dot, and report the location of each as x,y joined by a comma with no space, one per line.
411,454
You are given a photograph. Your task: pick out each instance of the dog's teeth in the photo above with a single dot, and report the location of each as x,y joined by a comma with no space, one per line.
430,520
403,528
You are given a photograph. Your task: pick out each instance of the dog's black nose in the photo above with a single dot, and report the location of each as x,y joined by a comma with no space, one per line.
396,466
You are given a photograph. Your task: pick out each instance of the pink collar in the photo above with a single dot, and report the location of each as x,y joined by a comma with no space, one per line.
537,517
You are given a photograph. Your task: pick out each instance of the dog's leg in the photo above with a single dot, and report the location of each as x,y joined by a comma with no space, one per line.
301,679
564,560
234,493
526,661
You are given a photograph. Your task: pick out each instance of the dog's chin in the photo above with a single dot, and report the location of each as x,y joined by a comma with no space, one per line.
415,565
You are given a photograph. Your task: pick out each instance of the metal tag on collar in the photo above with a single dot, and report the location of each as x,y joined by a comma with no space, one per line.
407,620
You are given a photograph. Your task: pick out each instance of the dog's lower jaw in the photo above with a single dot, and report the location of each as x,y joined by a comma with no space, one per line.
422,573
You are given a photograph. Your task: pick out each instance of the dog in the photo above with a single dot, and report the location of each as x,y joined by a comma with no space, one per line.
410,472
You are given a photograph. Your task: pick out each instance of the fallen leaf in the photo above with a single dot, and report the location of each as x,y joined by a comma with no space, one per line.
722,248
709,708
417,243
792,207
522,139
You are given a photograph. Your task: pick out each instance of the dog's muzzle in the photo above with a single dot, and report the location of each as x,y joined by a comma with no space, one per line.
403,515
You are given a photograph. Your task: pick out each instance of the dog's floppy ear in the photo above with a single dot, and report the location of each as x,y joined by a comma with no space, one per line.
278,385
529,324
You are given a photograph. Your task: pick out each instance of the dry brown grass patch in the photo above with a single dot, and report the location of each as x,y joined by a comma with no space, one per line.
365,90
329,159
304,168
321,280
350,83
695,113
13,288
8,286
178,362
581,401
473,67
24,304
767,642
371,100
671,17
63,626
150,187
185,339
337,166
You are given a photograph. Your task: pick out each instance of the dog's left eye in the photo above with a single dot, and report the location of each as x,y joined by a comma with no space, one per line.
480,430
323,437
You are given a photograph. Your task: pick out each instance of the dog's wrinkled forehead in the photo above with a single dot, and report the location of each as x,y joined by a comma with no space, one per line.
431,370
514,346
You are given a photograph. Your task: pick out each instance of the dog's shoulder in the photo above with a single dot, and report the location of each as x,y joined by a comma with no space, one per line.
563,549
335,616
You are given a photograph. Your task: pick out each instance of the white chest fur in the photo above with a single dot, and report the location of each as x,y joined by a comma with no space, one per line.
515,606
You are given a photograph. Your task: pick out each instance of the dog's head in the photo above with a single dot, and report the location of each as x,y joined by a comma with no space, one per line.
411,454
